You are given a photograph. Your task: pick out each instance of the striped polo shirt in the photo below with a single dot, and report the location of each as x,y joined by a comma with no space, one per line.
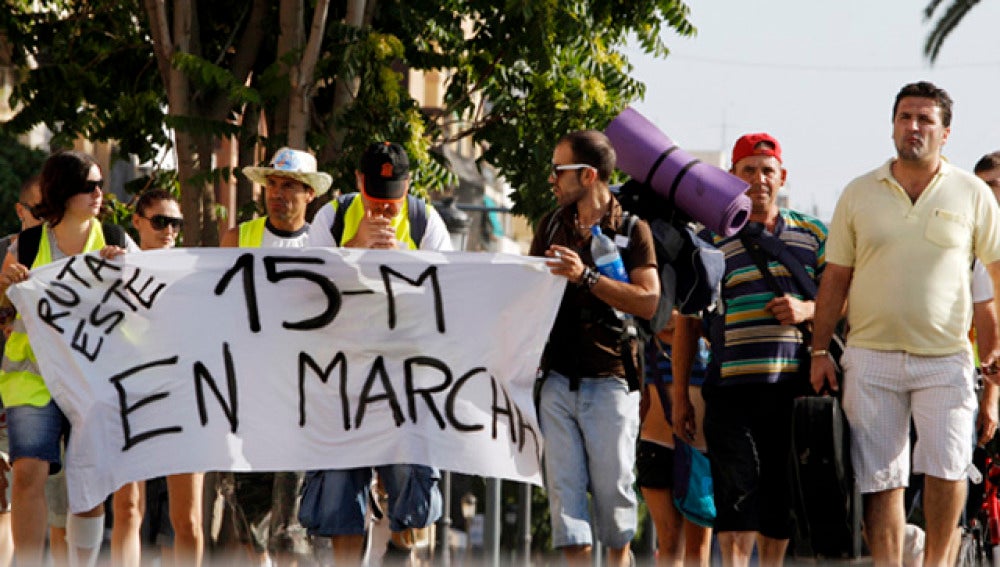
757,348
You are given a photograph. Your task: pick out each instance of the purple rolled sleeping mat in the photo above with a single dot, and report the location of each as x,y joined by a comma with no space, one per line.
706,193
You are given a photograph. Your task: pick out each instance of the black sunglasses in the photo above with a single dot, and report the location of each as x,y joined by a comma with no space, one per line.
89,186
35,210
161,222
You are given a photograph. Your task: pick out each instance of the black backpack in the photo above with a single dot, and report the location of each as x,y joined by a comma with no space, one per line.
416,209
28,241
690,268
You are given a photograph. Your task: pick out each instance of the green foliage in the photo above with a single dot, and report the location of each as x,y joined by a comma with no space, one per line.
94,74
117,212
518,76
527,73
206,75
17,164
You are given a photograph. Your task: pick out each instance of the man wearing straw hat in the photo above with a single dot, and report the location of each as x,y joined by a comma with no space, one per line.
588,410
291,182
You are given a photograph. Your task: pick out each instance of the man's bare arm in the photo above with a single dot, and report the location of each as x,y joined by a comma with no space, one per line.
830,301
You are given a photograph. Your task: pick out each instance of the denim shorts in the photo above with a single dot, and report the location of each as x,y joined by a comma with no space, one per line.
590,436
37,432
335,502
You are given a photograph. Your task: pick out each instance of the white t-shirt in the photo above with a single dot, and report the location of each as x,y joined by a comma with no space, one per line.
982,284
297,239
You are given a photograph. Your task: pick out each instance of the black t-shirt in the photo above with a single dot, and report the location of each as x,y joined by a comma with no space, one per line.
579,345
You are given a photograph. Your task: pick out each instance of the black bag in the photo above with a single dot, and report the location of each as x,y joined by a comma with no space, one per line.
827,504
690,268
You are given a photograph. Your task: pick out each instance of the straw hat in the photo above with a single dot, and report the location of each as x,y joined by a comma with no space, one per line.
295,164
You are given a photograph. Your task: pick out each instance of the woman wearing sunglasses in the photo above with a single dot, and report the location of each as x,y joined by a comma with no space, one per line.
71,184
158,221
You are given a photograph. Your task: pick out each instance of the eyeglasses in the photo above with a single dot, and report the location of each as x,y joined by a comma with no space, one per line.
161,222
35,210
89,186
557,168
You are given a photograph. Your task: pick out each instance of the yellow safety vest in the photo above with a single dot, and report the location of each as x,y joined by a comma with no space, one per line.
252,233
356,211
20,382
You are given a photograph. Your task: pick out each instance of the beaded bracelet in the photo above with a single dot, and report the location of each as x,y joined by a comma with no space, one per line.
589,277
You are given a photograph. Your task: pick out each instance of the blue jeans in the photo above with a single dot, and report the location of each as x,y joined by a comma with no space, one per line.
334,502
37,432
590,437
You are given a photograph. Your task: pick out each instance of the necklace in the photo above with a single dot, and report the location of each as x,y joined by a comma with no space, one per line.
586,225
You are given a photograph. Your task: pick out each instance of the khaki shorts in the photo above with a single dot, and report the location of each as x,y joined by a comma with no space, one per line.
883,390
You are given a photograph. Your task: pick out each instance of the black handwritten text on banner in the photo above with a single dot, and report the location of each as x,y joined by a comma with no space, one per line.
264,359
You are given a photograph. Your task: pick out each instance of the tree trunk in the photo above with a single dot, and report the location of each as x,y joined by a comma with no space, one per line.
291,37
301,74
206,193
359,13
247,156
194,153
179,102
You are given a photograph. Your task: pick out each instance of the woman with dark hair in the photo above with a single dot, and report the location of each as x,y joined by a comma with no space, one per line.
72,195
158,221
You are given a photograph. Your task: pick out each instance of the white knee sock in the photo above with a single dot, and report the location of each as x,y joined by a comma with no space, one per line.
83,538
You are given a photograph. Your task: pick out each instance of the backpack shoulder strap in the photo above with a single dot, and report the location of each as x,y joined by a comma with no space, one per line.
113,234
417,209
628,221
337,229
27,245
552,226
776,248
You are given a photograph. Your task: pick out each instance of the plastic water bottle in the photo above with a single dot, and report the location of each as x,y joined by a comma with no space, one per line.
606,256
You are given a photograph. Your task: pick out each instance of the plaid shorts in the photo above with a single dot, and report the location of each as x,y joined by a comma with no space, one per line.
883,390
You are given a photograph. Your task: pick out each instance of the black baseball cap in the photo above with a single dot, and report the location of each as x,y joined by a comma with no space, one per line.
386,169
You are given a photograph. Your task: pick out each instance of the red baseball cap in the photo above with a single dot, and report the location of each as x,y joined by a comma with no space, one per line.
750,145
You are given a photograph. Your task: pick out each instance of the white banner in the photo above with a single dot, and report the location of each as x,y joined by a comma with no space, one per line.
279,359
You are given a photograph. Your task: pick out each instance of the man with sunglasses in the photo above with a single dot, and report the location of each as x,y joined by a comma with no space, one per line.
587,410
382,214
291,182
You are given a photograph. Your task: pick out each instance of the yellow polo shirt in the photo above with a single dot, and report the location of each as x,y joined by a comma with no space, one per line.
912,261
